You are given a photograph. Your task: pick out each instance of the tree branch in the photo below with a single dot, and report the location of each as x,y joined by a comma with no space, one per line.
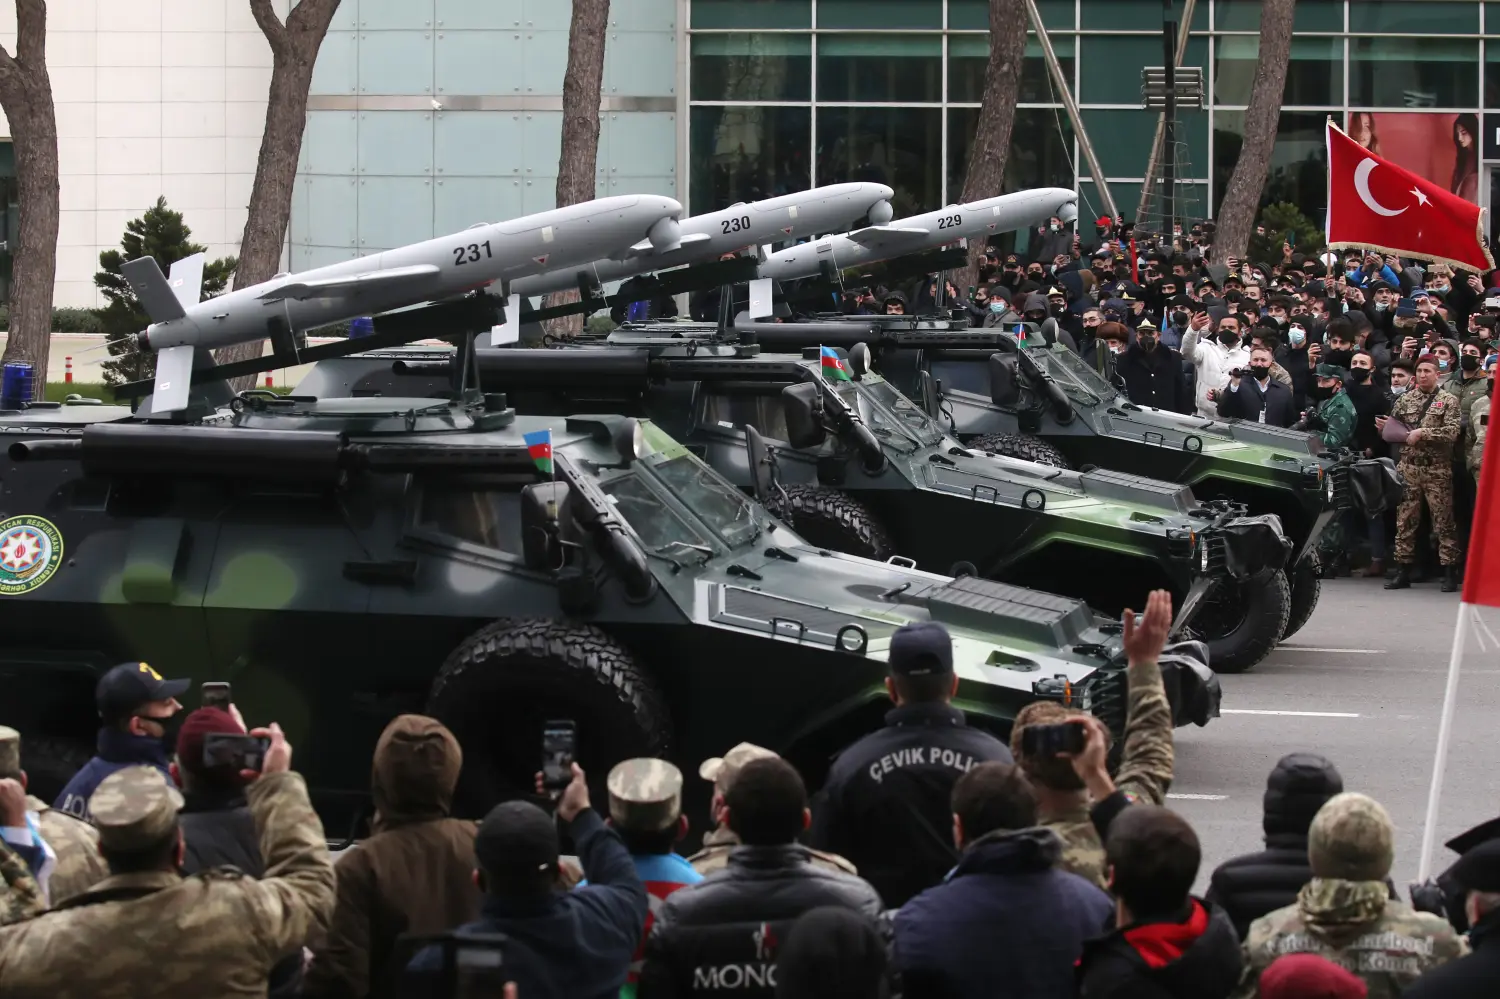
31,33
265,16
320,12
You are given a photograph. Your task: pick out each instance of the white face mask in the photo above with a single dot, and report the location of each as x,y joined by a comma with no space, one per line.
1398,390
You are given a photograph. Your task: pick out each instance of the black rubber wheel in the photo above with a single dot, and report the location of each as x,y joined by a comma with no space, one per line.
1306,579
1242,622
497,690
827,518
50,762
1021,446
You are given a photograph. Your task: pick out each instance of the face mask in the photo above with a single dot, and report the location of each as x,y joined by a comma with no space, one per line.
1469,362
1260,372
1296,337
997,307
1438,287
1319,392
1103,232
1147,343
1116,347
1338,357
1054,226
1398,390
1379,306
1360,375
1180,319
1442,365
1229,338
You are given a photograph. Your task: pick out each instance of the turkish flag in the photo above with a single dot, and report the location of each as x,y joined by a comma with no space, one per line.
1482,568
1374,204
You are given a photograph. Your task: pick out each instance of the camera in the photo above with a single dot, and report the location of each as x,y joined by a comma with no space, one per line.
1236,372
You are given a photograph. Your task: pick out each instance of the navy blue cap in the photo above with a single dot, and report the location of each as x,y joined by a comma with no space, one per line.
922,649
129,685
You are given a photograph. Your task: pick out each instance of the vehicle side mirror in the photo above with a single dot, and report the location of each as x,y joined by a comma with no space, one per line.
760,464
859,359
546,518
1049,332
802,405
1005,386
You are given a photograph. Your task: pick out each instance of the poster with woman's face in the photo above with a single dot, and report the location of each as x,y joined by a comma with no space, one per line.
1440,146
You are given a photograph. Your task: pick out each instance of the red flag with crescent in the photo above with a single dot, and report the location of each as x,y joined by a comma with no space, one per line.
1375,204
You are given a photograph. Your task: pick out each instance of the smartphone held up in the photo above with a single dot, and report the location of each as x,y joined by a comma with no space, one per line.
559,750
235,752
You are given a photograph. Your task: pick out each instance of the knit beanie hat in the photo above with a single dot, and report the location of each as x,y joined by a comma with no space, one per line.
1351,839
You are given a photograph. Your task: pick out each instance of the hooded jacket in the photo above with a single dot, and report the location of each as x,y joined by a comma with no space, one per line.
1194,956
1249,886
1358,926
1006,887
414,875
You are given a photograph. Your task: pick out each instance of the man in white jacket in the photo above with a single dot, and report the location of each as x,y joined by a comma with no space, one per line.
1213,359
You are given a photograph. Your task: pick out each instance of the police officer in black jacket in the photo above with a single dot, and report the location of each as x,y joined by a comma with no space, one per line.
886,803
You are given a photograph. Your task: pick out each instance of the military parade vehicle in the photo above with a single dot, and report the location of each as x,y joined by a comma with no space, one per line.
1028,399
851,464
342,560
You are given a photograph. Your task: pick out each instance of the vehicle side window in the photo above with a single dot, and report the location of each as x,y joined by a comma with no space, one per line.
490,518
963,376
742,409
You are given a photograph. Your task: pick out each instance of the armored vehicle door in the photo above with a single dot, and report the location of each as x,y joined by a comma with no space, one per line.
722,412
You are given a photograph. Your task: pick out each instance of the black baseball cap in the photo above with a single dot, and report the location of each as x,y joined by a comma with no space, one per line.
129,685
921,649
517,843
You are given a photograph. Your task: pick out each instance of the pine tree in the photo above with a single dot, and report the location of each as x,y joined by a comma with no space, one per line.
162,234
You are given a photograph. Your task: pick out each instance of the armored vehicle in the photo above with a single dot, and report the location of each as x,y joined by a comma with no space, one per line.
854,466
1043,403
340,561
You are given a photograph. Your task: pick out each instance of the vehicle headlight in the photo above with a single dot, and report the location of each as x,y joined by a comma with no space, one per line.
1328,487
1203,555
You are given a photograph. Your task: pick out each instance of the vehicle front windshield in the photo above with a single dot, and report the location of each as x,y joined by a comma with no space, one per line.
882,407
658,526
711,499
1078,381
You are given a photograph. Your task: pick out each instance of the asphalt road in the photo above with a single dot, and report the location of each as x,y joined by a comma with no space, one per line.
1362,683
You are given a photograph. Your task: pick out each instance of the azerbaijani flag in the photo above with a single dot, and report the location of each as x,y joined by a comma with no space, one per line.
539,444
835,369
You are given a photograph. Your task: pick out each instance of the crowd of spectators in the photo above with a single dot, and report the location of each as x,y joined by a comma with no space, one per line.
1375,355
935,861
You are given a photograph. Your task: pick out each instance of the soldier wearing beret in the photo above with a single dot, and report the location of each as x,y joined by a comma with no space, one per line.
67,848
146,931
645,808
886,803
1477,876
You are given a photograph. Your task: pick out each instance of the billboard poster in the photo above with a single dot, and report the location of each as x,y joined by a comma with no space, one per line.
1439,146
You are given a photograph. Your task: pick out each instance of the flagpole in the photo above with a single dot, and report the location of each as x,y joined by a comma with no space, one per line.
1445,734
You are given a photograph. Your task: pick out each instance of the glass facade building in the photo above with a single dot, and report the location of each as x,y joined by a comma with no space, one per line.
428,115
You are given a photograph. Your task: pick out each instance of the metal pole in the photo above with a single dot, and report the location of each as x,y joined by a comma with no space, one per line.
1169,131
1053,67
1152,163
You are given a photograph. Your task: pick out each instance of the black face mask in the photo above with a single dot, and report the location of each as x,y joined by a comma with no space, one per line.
1058,310
1103,232
171,727
1360,375
1180,319
1260,372
1339,358
1469,362
1229,338
1146,343
1319,392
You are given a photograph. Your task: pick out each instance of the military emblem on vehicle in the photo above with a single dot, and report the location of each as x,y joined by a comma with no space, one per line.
30,549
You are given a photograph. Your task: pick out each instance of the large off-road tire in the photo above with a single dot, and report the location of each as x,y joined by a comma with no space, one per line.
1022,446
500,686
833,520
1306,580
50,762
1242,622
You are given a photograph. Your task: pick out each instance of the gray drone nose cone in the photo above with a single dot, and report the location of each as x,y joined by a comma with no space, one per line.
665,234
881,213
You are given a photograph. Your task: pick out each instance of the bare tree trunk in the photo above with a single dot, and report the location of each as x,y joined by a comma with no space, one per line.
1242,196
26,96
997,117
576,168
294,50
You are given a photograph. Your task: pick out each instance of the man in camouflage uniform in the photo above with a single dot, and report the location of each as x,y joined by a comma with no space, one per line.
1345,913
1333,419
73,864
148,932
720,842
1427,465
1479,417
1145,773
20,895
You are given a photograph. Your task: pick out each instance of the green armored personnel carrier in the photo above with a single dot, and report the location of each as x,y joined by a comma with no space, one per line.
854,466
1045,404
340,561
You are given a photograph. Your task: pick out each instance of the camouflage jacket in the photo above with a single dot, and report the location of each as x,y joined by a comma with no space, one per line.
1145,773
1440,427
20,895
1478,416
1467,391
1356,925
216,933
79,866
719,844
1338,417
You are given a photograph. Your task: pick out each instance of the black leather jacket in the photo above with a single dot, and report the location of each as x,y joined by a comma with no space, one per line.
723,933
